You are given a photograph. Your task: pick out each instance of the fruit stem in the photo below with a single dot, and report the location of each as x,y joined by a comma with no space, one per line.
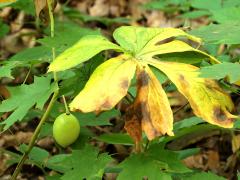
66,106
49,108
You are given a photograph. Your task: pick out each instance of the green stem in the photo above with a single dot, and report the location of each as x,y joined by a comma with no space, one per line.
48,110
34,137
66,106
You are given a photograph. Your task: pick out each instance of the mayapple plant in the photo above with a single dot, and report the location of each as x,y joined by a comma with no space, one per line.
140,48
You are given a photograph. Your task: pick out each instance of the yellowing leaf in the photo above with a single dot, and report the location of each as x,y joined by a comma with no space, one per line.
204,95
107,85
136,39
151,105
171,47
83,50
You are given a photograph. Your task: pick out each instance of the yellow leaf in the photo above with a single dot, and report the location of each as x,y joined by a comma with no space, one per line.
107,85
151,105
171,47
204,95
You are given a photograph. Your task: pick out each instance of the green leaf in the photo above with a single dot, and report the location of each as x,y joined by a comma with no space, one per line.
137,40
59,162
33,55
195,14
4,29
188,122
23,97
87,164
226,15
205,4
116,138
204,175
219,71
6,68
24,5
226,33
141,166
37,155
171,158
83,50
91,119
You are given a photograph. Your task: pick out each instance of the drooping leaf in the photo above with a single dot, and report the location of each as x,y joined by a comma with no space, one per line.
107,85
87,164
81,51
141,166
24,97
144,38
219,71
204,95
151,106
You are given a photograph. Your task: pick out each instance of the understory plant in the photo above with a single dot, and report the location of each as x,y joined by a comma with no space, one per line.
139,50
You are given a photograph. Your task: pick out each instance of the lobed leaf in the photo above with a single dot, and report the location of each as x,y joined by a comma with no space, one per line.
204,95
107,85
83,50
24,97
144,38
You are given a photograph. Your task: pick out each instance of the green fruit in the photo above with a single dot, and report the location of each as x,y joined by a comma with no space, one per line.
66,129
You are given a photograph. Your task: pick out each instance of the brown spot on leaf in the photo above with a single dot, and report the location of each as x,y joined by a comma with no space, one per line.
124,84
219,114
106,104
182,80
133,125
142,78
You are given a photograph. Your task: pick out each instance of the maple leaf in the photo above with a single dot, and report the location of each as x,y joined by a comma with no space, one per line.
24,97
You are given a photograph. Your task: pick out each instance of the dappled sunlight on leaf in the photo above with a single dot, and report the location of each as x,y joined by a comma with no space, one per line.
107,85
204,95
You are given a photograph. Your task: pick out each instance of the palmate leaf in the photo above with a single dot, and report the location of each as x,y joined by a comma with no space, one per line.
24,97
204,95
138,39
107,85
83,50
143,43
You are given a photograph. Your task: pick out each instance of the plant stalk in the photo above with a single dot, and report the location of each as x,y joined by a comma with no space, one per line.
49,108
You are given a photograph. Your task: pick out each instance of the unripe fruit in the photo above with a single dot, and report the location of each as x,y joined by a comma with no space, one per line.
66,129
